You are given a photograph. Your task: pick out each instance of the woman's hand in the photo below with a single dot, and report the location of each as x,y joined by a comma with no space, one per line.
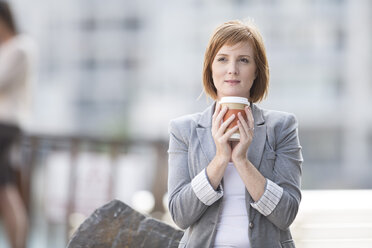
221,139
246,129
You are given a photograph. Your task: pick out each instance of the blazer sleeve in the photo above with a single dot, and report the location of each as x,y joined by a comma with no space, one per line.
287,173
184,206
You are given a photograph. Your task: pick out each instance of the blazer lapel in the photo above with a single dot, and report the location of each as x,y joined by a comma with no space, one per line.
256,148
255,151
204,133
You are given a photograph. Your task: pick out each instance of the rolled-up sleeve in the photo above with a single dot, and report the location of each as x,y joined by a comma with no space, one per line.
204,190
271,197
188,199
286,178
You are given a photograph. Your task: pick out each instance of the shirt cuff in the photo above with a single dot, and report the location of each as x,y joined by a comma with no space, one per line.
270,198
204,190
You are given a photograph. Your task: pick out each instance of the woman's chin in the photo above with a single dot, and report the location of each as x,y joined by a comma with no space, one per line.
234,94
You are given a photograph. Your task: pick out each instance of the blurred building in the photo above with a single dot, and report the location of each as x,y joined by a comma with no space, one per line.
122,69
125,68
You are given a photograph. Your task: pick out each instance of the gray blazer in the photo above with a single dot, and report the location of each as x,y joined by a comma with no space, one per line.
275,151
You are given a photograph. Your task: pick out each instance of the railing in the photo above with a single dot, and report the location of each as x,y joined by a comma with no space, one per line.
35,148
326,218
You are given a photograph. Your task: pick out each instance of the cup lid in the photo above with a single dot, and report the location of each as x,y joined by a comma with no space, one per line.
234,99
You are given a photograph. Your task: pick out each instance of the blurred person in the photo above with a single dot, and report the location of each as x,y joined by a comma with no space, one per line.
235,193
15,70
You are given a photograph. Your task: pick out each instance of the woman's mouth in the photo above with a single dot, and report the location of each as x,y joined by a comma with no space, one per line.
232,82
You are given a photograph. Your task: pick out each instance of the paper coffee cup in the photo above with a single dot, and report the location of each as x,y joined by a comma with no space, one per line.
235,105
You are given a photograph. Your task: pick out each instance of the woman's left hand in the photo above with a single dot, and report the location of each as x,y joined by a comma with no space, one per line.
246,129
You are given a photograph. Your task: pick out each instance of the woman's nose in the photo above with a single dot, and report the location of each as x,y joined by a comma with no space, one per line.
232,69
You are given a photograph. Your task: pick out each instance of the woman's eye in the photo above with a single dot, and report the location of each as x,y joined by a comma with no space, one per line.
221,59
244,60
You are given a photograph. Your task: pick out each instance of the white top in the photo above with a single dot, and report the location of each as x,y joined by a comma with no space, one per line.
232,226
17,57
233,205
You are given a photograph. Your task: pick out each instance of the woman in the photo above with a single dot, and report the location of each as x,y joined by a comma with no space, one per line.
235,194
16,53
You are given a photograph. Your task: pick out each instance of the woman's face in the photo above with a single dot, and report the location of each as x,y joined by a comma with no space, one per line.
234,70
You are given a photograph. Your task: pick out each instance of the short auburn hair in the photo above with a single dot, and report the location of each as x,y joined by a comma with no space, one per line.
231,33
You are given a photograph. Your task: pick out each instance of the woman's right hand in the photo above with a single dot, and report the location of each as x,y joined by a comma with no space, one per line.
221,139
